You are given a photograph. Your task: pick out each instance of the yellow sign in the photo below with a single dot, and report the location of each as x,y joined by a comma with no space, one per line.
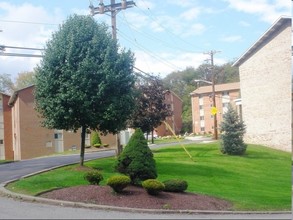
214,110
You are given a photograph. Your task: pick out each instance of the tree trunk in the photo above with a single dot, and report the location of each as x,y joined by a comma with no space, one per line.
152,136
119,146
82,145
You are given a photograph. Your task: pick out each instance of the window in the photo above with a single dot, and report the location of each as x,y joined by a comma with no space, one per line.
225,105
202,129
1,141
225,93
200,107
58,135
201,117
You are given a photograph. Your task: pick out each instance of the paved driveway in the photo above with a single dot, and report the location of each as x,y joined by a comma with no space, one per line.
16,170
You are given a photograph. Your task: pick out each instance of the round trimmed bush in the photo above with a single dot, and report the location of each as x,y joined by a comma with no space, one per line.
93,177
153,186
175,185
118,183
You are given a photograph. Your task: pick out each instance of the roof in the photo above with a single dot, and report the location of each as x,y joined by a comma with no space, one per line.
218,88
168,90
14,96
283,20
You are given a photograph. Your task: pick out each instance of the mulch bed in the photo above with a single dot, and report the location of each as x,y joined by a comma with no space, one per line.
137,197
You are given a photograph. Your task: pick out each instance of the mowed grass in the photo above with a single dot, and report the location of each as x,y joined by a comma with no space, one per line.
259,180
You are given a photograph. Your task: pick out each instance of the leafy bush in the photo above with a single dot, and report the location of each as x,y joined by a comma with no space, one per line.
97,145
233,131
106,145
95,138
93,177
153,186
136,160
175,185
118,183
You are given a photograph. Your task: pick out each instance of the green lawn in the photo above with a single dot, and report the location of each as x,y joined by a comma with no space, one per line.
259,180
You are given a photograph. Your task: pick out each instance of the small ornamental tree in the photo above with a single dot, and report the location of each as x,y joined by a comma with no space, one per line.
232,130
136,160
150,109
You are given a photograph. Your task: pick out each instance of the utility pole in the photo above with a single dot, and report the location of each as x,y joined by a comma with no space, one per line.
211,53
114,9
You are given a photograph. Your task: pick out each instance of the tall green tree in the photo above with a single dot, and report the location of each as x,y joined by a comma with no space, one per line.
150,109
84,80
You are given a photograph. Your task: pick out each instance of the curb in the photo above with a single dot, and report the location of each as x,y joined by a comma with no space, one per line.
22,197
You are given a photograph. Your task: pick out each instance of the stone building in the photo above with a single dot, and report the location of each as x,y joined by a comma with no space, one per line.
266,86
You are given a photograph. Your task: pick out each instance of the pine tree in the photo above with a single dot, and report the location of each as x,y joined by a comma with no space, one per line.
136,160
232,130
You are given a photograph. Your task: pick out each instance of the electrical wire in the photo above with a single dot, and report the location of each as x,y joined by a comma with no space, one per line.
150,53
27,22
171,33
154,38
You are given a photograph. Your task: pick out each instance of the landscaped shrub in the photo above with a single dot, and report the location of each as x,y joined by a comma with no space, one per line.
95,138
232,129
153,186
136,160
106,145
118,183
97,145
93,177
175,185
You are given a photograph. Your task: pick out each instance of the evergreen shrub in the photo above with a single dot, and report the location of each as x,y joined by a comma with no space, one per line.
233,130
95,138
153,186
118,183
136,160
93,177
175,185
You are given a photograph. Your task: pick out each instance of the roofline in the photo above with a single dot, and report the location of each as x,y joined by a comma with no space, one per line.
216,85
281,20
14,96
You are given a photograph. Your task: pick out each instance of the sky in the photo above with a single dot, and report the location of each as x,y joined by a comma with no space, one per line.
165,35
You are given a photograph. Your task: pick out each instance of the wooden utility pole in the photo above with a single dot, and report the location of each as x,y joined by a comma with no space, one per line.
211,53
114,9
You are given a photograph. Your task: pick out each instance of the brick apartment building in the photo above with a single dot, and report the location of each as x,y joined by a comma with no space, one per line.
202,103
175,120
265,71
23,137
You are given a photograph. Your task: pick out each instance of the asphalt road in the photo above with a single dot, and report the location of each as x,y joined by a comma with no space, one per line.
18,209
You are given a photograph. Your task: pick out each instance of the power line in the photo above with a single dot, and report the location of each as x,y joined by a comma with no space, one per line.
157,22
150,53
3,47
26,22
22,48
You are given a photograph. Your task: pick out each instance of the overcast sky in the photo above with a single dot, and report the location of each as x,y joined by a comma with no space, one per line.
165,36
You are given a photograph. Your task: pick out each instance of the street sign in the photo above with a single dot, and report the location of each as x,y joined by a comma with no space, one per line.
214,110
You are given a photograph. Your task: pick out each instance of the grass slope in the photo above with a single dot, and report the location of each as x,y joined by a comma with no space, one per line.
259,180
